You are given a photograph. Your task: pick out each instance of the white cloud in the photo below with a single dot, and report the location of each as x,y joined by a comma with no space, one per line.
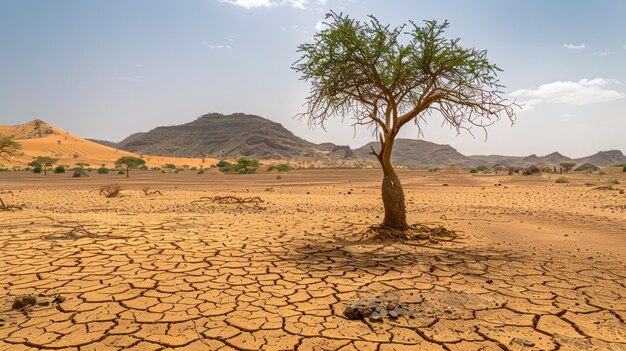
129,78
250,4
319,26
220,46
583,92
604,53
575,46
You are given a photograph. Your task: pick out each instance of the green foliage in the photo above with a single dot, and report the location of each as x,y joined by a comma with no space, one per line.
222,164
624,169
561,180
281,167
567,166
9,148
80,173
246,165
473,170
614,181
103,170
548,170
279,177
434,169
177,171
37,169
201,171
43,162
155,169
121,171
59,169
169,166
193,168
129,162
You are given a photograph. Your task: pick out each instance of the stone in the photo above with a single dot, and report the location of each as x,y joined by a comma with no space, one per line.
375,317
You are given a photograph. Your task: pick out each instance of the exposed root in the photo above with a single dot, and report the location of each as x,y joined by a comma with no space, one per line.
147,191
604,187
421,233
253,203
5,207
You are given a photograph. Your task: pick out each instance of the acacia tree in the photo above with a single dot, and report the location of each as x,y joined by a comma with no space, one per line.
44,162
567,166
129,162
8,147
385,77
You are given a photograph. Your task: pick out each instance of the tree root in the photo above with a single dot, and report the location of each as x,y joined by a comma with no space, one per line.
421,232
76,231
111,190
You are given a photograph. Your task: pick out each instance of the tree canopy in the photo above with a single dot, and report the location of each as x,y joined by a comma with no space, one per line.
384,77
129,162
9,148
43,162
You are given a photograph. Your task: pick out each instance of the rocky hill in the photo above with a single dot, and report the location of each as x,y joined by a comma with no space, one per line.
420,152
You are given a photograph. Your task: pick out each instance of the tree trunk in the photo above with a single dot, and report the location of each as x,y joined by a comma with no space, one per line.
393,195
127,172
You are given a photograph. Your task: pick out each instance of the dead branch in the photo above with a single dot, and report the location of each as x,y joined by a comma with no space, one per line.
241,202
111,190
75,231
147,192
5,207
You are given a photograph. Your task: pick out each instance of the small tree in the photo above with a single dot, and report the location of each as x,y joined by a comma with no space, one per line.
366,72
129,162
169,166
567,166
9,148
247,165
44,163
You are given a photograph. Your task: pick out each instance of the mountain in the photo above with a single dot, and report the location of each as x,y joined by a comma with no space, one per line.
103,142
419,152
231,136
603,158
39,138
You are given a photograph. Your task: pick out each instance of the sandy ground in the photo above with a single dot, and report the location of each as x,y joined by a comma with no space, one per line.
537,265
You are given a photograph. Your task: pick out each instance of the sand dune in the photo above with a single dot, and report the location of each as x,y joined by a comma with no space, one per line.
41,139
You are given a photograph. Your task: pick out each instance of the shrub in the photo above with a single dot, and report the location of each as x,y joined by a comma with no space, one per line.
561,180
163,171
282,167
121,171
473,170
624,169
59,169
37,169
433,169
531,170
201,171
193,168
279,177
103,170
613,181
79,173
156,169
222,163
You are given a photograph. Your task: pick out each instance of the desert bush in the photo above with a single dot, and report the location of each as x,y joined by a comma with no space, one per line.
531,170
473,170
222,163
103,170
613,181
193,168
201,171
247,165
279,177
155,169
37,169
624,169
433,169
548,170
561,180
162,171
282,167
79,173
59,169
121,171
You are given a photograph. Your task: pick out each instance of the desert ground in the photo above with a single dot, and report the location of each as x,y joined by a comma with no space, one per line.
535,266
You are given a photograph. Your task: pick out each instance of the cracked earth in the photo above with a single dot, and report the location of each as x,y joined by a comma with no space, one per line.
537,266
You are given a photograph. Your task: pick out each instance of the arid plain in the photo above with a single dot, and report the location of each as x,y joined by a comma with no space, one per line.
536,265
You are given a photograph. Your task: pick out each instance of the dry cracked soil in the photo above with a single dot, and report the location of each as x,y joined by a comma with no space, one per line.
536,265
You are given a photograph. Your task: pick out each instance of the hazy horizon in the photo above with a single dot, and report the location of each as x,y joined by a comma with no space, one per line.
105,70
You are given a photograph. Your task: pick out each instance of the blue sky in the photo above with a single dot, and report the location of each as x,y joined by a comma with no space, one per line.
105,69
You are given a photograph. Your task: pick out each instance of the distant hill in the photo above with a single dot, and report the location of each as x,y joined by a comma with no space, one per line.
419,152
231,136
603,158
104,142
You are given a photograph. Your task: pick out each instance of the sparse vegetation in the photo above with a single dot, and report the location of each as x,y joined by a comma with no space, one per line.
561,180
80,172
169,166
473,170
613,181
129,162
567,166
531,170
279,177
103,170
43,163
111,190
433,169
281,167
